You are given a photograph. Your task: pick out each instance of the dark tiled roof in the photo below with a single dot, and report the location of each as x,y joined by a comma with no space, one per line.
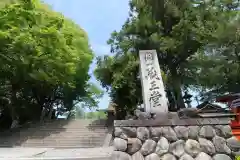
208,106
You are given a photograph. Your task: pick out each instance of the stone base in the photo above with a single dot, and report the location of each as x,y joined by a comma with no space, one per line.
204,141
183,113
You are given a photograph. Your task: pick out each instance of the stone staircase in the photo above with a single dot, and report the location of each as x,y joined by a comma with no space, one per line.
59,134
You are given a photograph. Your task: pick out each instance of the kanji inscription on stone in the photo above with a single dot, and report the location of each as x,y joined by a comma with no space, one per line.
154,95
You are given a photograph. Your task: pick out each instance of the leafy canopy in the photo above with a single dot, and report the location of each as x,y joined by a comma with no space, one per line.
44,59
178,30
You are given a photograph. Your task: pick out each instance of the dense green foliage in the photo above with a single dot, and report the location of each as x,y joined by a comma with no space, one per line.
44,62
187,35
220,67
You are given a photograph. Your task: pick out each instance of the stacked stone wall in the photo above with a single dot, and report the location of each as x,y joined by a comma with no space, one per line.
194,142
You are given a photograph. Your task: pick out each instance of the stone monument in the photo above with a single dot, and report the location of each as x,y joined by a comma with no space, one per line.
154,95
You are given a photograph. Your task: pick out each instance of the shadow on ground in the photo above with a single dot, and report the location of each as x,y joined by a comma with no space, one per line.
18,136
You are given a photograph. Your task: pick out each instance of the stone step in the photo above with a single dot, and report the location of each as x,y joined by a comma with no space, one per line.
64,140
54,145
57,137
66,128
63,130
65,158
82,141
83,153
58,134
84,130
64,143
26,131
21,153
59,146
57,141
71,131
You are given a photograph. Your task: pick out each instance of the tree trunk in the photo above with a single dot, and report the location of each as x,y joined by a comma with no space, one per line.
171,100
43,113
50,113
177,91
12,106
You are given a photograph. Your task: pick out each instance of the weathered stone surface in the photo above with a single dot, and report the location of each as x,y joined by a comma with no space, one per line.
162,146
223,131
203,156
226,131
130,131
182,132
142,115
163,116
207,146
143,133
155,132
193,132
233,143
186,157
177,148
221,157
167,143
170,122
207,132
123,136
130,117
169,133
137,156
168,156
120,144
220,145
192,147
152,156
117,131
218,129
187,112
117,155
148,147
133,145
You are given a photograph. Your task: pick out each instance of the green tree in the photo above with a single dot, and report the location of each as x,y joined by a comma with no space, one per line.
44,60
176,29
218,70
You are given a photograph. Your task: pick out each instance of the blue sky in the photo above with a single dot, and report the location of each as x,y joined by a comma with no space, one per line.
98,19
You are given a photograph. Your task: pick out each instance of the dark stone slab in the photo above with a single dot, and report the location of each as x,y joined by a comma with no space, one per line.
171,122
191,121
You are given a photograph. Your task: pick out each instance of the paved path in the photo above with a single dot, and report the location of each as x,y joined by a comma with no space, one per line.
55,154
81,152
21,152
